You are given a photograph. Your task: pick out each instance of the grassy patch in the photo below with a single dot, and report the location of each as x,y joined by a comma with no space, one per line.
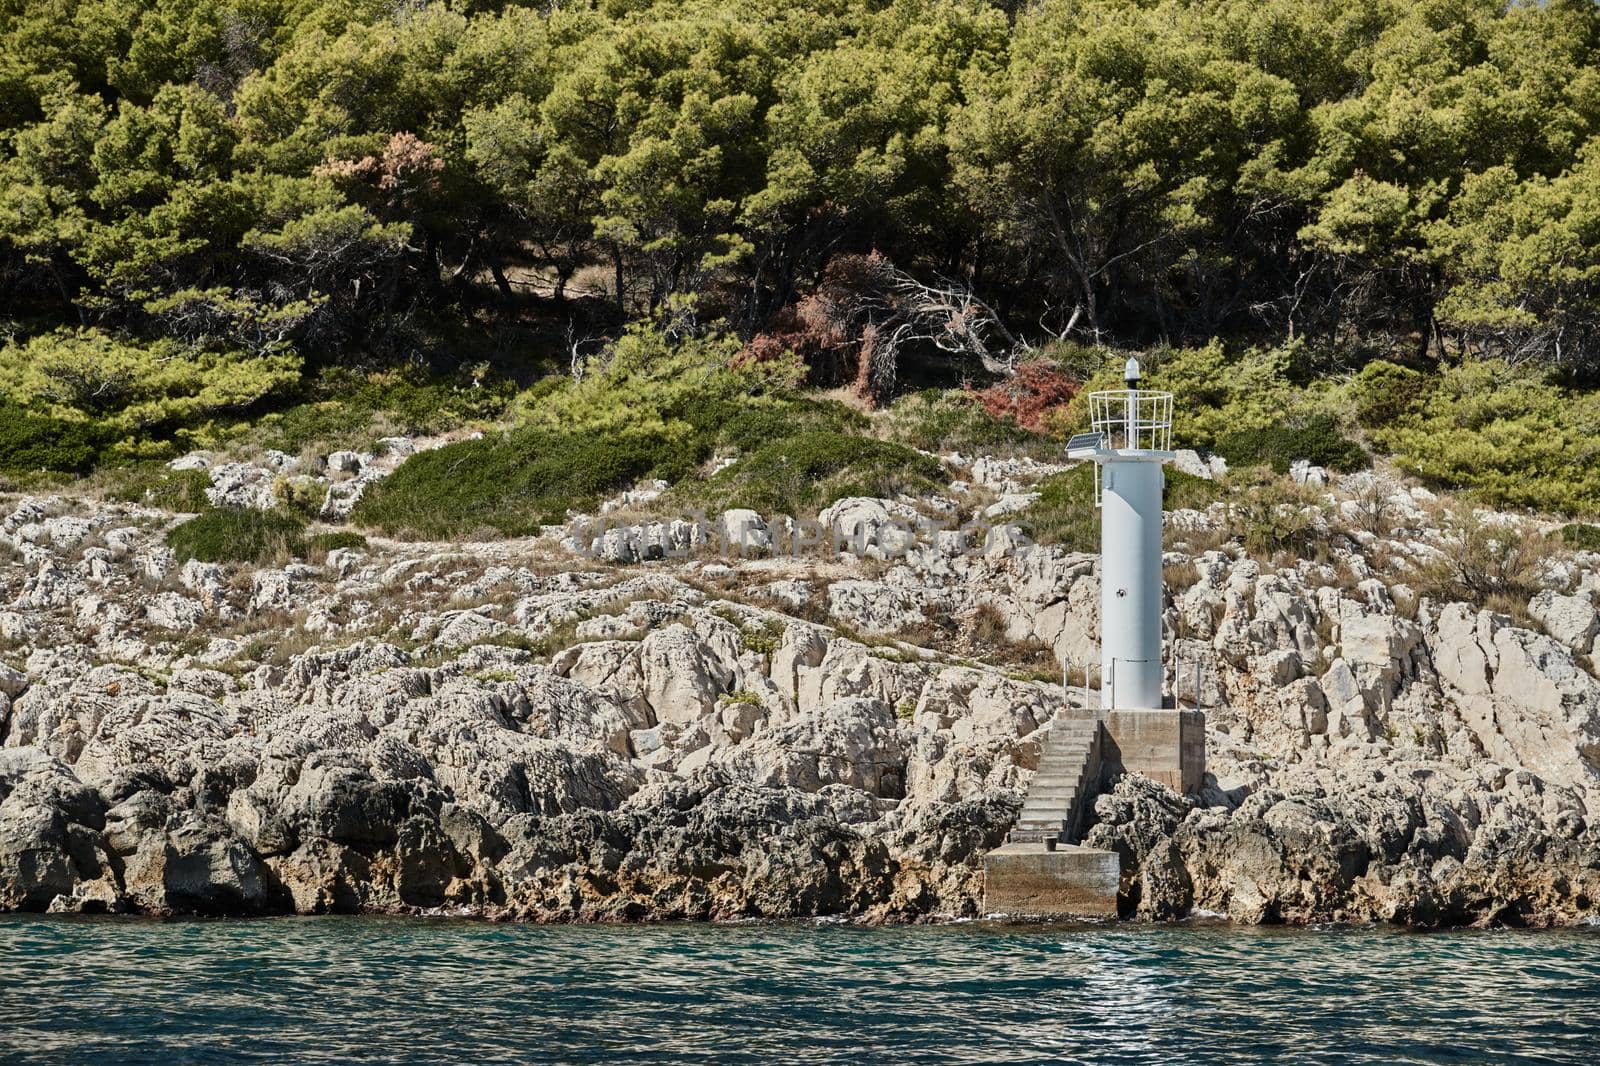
239,535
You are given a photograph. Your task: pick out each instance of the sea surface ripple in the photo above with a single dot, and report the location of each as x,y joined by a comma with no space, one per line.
414,990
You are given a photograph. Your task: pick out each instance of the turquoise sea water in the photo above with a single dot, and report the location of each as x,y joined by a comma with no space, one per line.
400,990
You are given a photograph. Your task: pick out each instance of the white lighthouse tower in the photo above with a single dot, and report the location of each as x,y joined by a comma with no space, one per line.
1131,438
1043,868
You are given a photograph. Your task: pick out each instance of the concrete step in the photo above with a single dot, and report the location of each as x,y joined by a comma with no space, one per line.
1055,787
1052,762
1056,777
1061,782
1070,771
1054,793
1037,829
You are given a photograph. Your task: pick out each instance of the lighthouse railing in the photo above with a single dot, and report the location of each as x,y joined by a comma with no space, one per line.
1136,419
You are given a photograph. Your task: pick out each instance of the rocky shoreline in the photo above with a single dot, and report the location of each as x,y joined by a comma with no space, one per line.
548,731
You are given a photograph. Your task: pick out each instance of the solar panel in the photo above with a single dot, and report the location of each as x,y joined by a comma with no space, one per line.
1085,442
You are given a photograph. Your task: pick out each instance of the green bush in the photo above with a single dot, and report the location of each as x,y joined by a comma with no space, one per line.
130,386
511,483
30,441
238,535
1581,536
1506,436
646,383
1316,438
158,486
653,410
1383,392
323,543
811,469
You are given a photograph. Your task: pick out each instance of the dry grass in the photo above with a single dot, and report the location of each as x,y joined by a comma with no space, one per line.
1491,564
1180,576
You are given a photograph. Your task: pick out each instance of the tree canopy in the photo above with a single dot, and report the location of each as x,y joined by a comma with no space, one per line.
260,183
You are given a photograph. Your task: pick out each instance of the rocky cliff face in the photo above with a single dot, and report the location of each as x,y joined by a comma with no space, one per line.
510,729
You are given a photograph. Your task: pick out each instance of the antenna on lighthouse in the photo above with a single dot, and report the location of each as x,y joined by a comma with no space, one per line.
1130,439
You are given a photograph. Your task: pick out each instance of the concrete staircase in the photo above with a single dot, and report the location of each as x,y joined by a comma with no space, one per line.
1069,774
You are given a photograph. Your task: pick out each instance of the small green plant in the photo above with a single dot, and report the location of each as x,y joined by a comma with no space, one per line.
906,710
155,485
239,535
762,639
1581,536
302,495
1271,513
744,695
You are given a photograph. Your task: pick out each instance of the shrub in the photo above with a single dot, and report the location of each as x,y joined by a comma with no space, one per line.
1506,436
1487,564
811,469
31,440
1581,536
1316,438
512,483
1034,398
653,410
646,383
238,535
1384,392
302,495
1272,514
158,486
323,543
129,386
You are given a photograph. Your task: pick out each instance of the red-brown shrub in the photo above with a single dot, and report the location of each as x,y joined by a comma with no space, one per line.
1031,395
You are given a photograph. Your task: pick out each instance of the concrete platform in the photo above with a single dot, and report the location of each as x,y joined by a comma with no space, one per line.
1072,881
1166,746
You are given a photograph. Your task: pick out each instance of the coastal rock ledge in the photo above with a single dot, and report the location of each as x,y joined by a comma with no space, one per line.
512,731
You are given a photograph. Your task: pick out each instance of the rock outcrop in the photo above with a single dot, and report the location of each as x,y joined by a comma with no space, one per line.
512,729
